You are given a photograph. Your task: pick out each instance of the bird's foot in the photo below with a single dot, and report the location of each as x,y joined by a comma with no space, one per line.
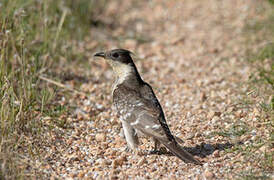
135,151
162,150
127,149
155,152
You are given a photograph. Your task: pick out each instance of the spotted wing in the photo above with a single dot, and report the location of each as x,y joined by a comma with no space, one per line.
141,109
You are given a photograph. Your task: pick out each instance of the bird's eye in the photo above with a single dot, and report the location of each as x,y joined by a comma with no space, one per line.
115,55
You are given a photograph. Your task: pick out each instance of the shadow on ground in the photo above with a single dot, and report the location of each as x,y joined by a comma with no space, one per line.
201,150
204,150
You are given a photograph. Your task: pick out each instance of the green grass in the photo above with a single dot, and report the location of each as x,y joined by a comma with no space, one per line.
252,176
263,53
236,130
34,36
260,55
271,1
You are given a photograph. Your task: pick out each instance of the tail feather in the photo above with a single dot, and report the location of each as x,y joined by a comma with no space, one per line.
178,151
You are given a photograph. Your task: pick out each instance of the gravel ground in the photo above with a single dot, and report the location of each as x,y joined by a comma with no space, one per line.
191,52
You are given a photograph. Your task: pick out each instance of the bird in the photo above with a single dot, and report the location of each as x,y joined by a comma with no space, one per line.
138,107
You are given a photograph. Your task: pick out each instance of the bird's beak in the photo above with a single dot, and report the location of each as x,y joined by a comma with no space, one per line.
100,54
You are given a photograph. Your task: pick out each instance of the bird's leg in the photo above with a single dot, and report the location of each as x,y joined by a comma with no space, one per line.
130,136
157,148
156,145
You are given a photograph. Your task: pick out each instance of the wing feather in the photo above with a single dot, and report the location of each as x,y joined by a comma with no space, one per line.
141,109
145,111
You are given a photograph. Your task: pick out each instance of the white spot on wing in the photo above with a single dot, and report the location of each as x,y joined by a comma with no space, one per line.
127,115
156,126
147,127
140,104
122,111
134,123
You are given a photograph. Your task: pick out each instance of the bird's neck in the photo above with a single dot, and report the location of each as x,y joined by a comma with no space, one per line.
126,73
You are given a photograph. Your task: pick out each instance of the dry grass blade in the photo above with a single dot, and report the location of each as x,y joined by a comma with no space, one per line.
60,25
62,86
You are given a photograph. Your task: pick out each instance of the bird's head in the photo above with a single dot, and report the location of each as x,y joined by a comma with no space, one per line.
116,56
120,61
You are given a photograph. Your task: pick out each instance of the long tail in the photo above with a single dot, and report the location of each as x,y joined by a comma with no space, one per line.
178,151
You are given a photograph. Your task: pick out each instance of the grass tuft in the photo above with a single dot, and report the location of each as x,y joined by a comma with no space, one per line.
34,35
260,35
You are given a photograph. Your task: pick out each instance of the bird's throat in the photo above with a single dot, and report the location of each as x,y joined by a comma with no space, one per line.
125,73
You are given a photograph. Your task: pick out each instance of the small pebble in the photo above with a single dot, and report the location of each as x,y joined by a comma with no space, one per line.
101,137
208,174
